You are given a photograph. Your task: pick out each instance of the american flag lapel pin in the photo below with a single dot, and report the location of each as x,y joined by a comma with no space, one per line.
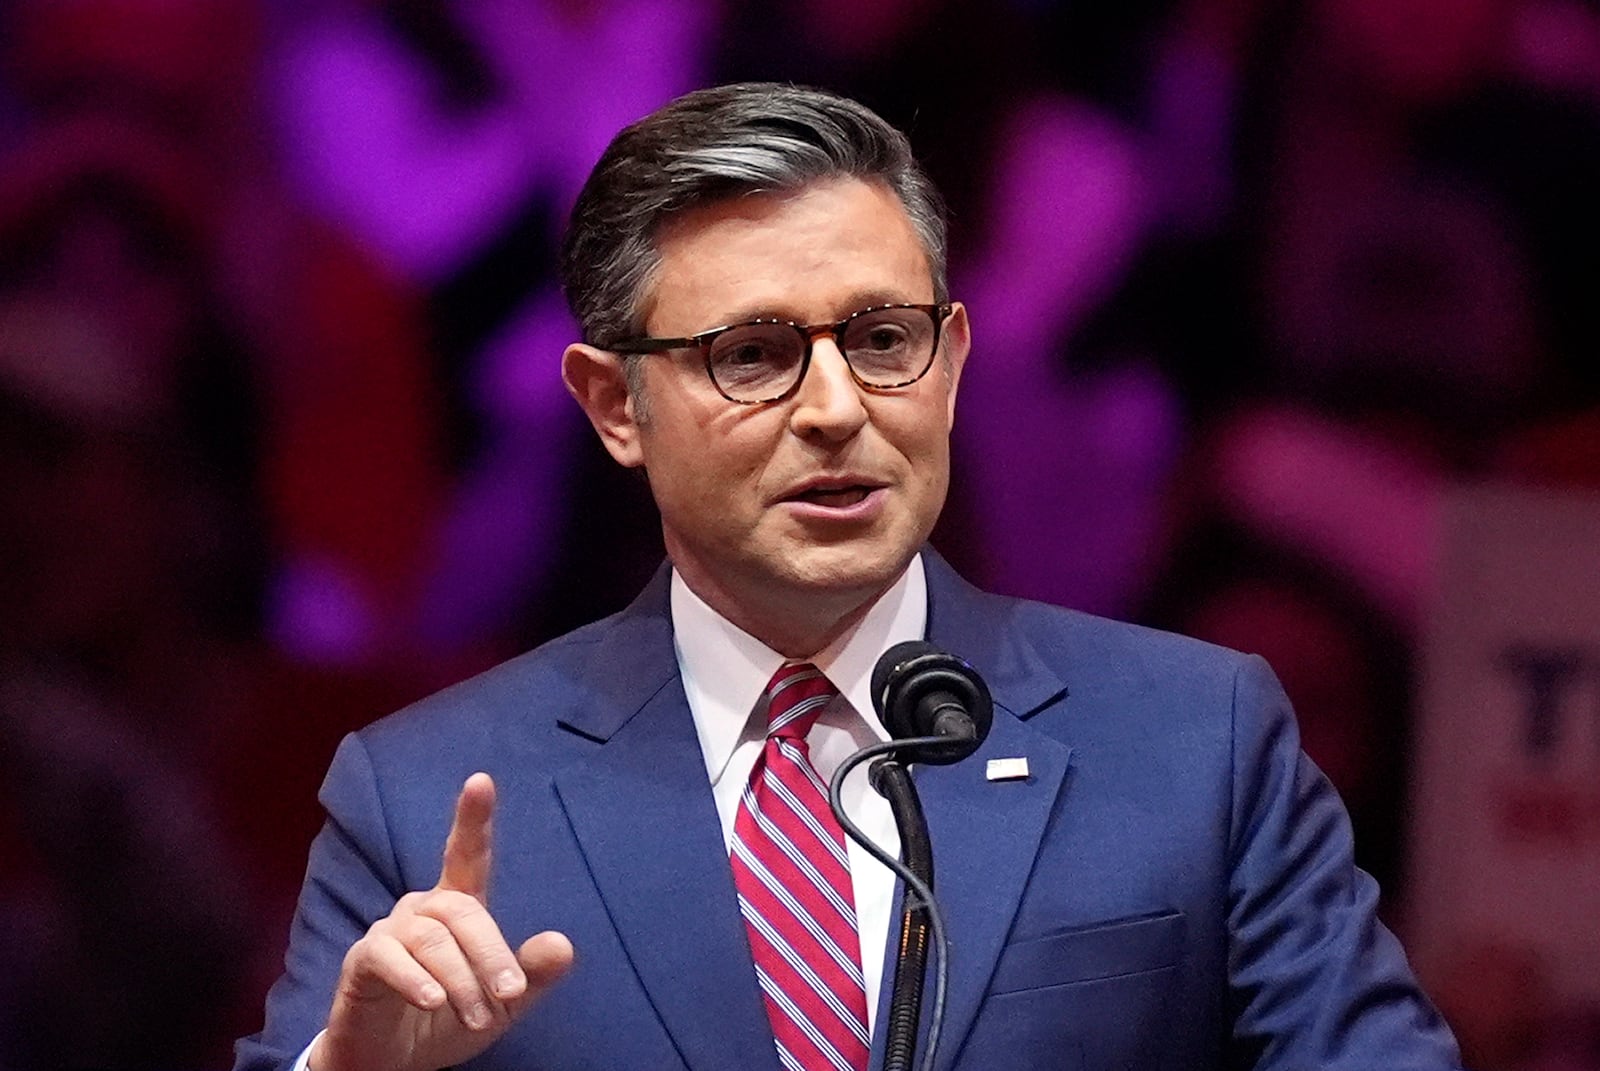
1007,769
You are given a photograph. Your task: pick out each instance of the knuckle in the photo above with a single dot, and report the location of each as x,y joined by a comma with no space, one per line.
409,902
366,950
427,934
356,957
384,927
447,905
372,960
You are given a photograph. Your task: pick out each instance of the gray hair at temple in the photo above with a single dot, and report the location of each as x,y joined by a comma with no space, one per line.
711,145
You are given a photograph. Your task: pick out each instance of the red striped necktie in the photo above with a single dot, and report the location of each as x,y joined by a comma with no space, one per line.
793,878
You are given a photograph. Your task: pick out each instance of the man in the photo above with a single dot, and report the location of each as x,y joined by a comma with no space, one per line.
759,272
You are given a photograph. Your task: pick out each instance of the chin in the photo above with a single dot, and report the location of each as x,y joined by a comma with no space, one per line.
847,570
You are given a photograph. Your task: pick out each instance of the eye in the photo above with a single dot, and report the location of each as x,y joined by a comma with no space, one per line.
885,331
884,336
752,354
746,353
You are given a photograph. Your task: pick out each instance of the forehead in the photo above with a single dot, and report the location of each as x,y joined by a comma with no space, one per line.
812,255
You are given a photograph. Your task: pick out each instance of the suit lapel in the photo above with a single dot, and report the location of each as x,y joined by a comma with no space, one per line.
986,834
985,837
642,812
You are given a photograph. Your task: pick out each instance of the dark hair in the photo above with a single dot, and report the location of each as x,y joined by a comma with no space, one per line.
710,145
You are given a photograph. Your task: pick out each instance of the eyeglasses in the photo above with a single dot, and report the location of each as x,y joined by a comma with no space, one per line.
886,346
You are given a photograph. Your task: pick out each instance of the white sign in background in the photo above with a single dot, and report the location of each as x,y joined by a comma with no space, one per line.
1505,844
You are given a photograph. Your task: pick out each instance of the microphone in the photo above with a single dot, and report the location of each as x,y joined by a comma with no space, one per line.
938,711
920,691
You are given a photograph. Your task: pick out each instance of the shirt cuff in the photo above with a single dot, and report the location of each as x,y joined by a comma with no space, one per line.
304,1060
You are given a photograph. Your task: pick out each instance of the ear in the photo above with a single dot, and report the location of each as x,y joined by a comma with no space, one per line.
957,343
595,378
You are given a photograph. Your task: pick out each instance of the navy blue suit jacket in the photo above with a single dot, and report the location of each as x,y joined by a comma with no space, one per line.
1171,887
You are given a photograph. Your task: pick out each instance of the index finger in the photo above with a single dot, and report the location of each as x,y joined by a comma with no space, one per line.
467,849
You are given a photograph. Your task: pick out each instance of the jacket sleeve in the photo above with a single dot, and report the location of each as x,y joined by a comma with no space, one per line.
352,880
1315,980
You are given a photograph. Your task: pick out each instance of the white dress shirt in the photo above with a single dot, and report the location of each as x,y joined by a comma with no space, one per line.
724,672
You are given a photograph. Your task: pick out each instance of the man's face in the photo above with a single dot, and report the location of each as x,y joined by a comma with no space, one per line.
817,502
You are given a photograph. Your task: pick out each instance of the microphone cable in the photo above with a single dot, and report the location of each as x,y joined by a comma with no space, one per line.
913,884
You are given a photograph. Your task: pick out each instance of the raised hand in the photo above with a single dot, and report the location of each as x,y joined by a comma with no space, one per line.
435,983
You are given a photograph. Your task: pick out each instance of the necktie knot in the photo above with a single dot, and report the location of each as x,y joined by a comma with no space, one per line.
795,698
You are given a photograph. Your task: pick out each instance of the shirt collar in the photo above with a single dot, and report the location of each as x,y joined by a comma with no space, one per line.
724,668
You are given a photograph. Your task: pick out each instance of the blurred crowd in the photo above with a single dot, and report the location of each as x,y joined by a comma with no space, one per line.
283,444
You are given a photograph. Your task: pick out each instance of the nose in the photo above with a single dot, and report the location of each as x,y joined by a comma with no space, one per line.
828,401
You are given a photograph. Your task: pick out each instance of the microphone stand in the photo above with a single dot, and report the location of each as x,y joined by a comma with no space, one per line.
919,913
893,782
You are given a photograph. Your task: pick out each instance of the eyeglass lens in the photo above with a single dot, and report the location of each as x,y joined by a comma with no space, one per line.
884,347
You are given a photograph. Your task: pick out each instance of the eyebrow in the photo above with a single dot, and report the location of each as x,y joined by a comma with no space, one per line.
858,300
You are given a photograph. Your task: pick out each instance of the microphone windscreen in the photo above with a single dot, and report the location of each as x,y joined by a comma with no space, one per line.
914,682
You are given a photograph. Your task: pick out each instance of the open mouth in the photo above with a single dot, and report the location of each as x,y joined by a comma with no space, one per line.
835,497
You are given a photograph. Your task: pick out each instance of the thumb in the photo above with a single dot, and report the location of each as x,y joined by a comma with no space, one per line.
545,958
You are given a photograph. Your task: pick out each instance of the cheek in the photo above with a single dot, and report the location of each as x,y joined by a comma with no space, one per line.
741,455
714,477
923,436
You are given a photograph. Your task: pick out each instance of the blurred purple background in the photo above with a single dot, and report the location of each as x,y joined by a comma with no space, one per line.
283,444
